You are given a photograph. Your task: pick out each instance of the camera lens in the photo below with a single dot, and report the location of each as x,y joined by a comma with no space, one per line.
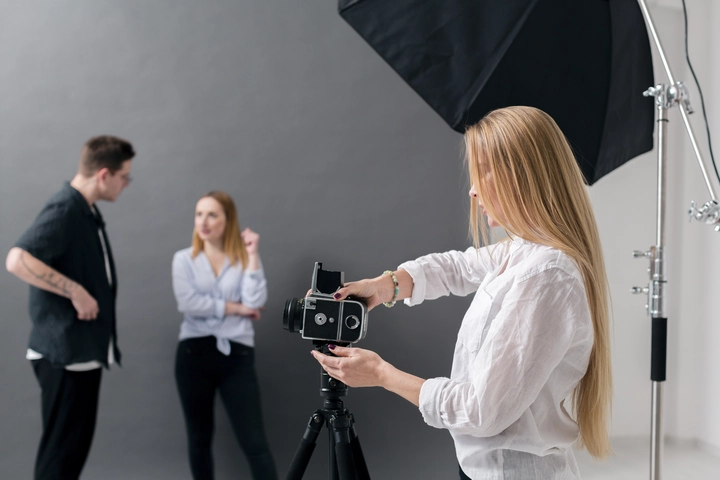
293,315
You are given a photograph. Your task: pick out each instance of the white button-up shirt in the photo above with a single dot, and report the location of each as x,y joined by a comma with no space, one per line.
523,347
201,298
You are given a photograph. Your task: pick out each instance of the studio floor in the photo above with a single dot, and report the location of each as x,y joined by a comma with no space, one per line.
681,460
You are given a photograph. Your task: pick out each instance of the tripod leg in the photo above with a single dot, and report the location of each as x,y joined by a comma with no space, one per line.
305,448
360,465
340,425
332,457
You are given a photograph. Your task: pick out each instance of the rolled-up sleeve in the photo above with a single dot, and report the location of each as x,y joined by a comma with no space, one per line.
431,407
189,299
441,274
254,288
535,327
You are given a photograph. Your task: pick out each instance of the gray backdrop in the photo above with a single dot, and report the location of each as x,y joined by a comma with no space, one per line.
329,156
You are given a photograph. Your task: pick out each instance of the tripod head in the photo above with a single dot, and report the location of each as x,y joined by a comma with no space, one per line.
330,388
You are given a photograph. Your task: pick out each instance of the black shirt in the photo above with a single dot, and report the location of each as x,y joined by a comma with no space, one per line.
65,237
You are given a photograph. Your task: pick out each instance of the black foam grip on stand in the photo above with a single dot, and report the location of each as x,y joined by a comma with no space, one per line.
658,352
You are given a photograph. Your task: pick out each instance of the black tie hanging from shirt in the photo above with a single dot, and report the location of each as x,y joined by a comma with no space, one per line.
105,244
584,62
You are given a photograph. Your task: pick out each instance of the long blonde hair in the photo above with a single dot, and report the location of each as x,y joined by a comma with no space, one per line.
233,244
540,190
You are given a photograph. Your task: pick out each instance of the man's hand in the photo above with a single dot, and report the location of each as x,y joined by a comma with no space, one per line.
84,303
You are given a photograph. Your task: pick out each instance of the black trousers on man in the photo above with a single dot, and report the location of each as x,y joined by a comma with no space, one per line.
69,410
201,371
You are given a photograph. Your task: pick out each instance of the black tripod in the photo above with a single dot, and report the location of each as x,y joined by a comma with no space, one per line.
346,460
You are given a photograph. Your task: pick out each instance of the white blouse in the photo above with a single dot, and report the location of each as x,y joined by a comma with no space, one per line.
523,347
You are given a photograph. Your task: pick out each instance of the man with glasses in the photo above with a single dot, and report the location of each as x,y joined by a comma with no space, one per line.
65,256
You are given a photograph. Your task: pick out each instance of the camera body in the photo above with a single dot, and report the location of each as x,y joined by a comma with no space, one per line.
320,317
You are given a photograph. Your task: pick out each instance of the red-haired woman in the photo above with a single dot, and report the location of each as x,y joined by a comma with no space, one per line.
220,288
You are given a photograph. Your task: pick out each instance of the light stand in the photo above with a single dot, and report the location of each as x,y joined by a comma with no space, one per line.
666,97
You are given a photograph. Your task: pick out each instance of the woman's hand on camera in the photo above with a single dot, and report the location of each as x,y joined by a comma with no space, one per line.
354,367
373,291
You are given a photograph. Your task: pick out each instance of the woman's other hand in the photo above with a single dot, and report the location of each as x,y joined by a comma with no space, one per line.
251,240
354,367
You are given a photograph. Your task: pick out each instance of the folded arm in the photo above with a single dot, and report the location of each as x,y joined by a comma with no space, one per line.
254,285
38,274
189,299
31,270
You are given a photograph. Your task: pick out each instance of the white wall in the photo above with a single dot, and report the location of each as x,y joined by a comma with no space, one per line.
695,387
625,203
703,253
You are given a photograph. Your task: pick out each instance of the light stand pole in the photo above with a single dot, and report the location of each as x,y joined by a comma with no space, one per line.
666,97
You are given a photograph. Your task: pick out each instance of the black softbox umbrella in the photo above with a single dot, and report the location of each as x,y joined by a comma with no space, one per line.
585,62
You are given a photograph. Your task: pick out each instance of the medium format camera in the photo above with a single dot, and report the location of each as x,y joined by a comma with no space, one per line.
320,317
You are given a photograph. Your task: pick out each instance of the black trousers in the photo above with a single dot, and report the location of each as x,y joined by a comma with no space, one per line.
69,410
200,371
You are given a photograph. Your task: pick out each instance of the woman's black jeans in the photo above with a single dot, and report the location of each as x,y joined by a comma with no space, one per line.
201,370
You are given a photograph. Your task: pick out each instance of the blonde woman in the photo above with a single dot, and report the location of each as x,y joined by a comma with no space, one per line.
536,332
220,289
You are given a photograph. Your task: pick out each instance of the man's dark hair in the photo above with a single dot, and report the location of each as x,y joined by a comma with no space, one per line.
104,151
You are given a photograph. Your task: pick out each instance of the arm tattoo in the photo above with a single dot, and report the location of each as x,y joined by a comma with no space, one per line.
58,281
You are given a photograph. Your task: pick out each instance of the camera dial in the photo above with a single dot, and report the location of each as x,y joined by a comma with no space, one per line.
352,322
